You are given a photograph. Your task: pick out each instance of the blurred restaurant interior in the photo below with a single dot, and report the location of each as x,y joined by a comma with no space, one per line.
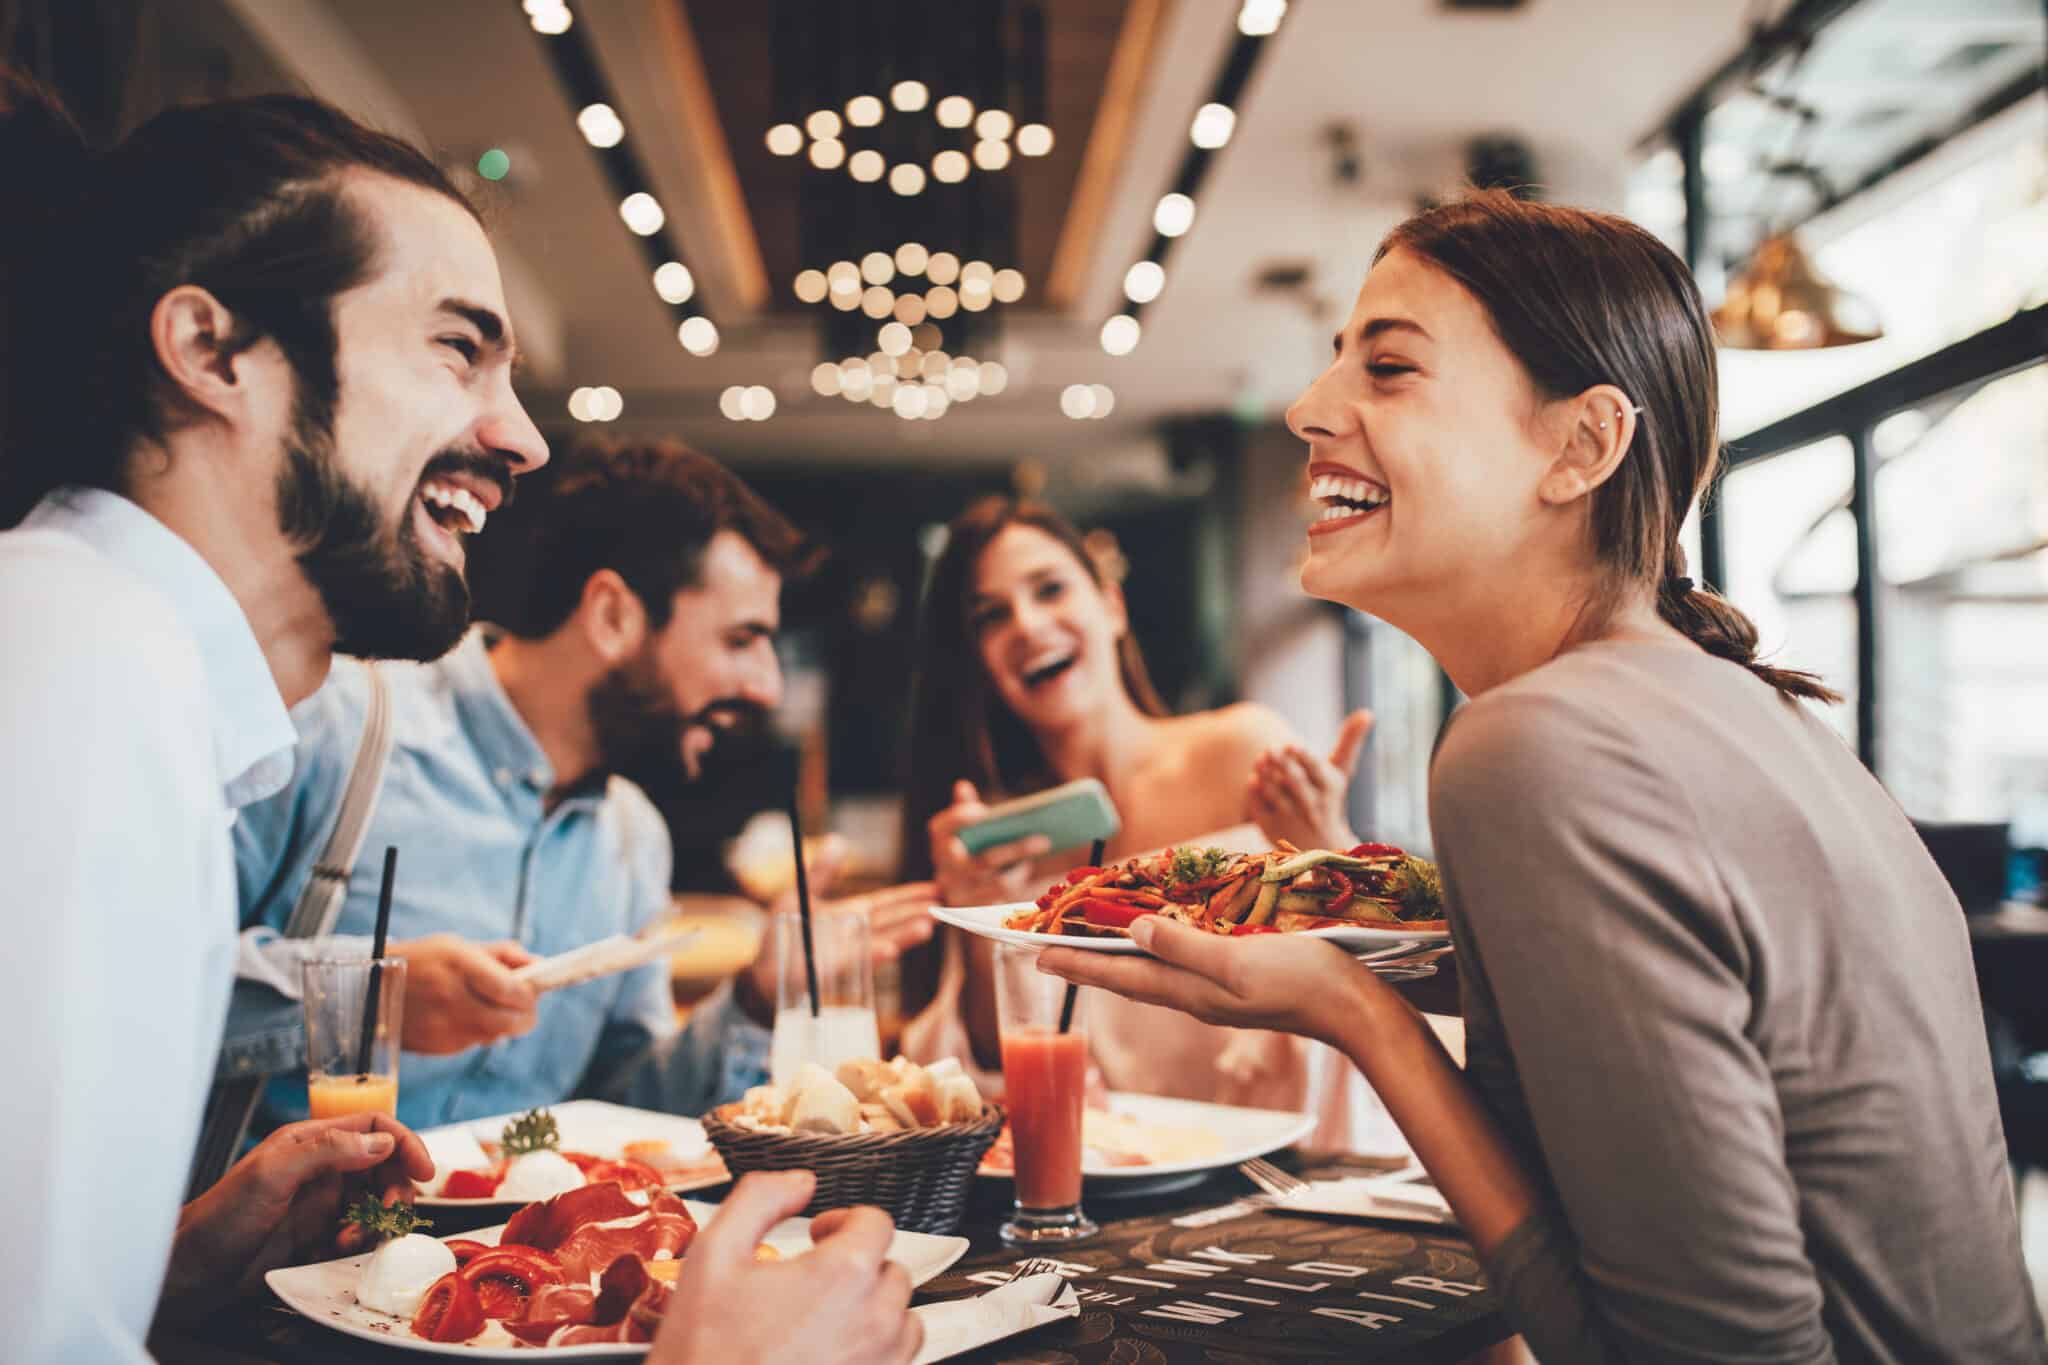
885,258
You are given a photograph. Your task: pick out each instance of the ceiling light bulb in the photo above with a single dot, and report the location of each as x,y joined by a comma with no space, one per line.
698,335
928,337
642,214
942,268
908,364
1105,401
975,287
733,403
845,300
867,165
828,154
550,19
1034,139
955,111
910,309
1120,334
1260,18
844,277
579,405
960,384
909,96
894,338
911,258
826,380
1143,281
993,124
941,302
881,363
936,401
864,111
877,303
1214,123
811,286
674,282
883,391
951,166
600,124
1009,286
937,364
991,155
760,403
907,178
1174,216
909,400
878,267
823,124
1077,401
992,378
785,139
605,404
974,300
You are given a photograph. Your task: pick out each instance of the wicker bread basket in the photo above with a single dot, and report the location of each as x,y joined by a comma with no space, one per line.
920,1175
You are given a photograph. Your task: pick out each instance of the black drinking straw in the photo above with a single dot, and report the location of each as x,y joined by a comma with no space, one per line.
1095,851
803,899
377,956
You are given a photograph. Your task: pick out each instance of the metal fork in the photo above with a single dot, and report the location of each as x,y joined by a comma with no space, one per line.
1279,1185
1037,1265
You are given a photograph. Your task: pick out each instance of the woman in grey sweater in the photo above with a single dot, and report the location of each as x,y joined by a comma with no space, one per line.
1728,1095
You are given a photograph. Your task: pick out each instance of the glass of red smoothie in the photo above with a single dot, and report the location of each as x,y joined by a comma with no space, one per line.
1045,1071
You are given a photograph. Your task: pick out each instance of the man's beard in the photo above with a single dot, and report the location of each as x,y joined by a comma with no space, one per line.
637,723
385,595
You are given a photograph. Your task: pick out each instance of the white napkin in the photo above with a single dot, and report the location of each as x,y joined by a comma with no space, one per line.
605,957
963,1324
1371,1197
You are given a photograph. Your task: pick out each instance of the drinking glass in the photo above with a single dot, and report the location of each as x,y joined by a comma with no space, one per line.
1045,1074
339,1078
844,1025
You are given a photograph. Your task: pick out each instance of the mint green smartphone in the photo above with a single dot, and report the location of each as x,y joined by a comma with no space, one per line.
1071,816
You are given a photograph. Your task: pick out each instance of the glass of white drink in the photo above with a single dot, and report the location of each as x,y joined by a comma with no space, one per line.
843,1025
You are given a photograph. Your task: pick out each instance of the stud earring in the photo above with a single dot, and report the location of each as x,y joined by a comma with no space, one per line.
1633,407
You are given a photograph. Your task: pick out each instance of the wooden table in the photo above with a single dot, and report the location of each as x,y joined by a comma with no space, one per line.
1160,1286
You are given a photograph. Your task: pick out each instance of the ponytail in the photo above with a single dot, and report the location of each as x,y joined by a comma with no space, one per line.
1716,625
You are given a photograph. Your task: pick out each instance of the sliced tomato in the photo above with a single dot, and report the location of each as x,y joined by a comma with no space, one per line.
472,1184
583,1161
465,1250
634,1175
504,1278
1113,914
1377,851
450,1311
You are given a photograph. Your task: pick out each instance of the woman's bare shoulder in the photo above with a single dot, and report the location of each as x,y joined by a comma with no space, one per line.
1248,727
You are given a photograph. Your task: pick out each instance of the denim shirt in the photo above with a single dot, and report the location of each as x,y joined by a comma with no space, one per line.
483,857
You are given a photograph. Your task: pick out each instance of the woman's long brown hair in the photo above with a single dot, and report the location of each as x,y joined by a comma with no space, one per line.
959,726
1585,298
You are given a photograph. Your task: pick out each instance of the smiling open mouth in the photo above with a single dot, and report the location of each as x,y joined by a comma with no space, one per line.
453,508
1344,501
1044,670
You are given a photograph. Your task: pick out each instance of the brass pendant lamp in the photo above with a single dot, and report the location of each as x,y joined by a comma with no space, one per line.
1779,302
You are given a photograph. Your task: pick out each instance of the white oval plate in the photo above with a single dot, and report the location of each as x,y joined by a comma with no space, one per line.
987,921
600,1129
326,1293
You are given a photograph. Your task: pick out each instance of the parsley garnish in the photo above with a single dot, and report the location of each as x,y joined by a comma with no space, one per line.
533,1131
1419,887
1195,864
381,1220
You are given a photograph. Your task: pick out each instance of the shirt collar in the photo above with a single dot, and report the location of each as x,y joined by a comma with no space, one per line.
492,722
253,735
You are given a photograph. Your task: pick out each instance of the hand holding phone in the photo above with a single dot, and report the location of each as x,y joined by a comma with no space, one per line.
1073,815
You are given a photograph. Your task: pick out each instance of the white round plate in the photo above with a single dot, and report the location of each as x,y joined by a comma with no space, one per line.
1243,1133
600,1129
987,921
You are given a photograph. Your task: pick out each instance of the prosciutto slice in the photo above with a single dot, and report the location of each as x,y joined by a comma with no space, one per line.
625,1308
553,1307
665,1225
546,1224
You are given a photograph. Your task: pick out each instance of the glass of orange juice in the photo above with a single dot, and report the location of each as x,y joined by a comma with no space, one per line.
1045,1074
340,1078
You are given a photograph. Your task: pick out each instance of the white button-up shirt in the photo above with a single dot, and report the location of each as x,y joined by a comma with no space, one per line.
136,713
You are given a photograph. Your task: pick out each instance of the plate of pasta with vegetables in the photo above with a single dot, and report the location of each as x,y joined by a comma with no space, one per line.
1372,896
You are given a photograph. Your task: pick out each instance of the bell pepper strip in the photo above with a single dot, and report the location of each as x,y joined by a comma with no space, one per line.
1082,874
1376,851
1114,914
1240,930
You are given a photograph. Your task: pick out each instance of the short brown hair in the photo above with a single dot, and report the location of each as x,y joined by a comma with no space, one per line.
644,509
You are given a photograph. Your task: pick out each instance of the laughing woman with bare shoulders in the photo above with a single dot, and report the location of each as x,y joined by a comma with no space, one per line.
1728,1094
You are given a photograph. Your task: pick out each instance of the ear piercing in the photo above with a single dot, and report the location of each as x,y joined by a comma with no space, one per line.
1634,407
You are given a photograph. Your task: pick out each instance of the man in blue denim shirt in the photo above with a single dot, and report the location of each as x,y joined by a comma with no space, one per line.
653,578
